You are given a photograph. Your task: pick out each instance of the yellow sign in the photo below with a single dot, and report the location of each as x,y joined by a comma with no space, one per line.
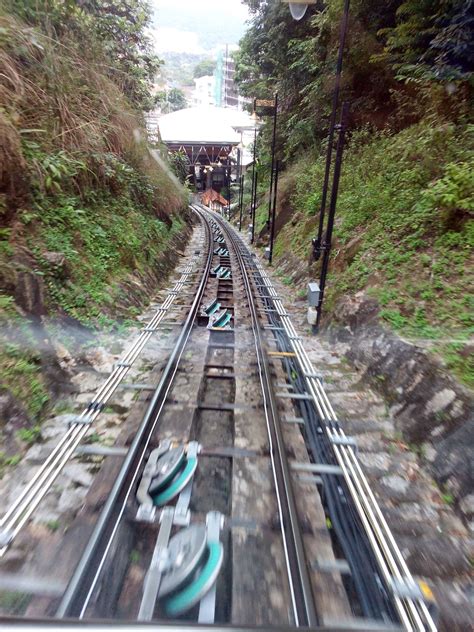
264,103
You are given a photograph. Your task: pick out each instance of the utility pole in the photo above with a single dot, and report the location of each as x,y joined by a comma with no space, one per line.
229,180
254,207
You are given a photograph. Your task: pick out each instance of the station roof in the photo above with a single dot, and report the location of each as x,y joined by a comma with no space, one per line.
212,196
204,125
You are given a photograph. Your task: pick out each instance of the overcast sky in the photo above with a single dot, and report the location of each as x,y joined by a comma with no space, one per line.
194,25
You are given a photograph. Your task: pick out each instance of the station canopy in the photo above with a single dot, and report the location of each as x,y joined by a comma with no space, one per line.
205,134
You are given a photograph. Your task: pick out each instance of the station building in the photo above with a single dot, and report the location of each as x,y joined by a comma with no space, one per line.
215,142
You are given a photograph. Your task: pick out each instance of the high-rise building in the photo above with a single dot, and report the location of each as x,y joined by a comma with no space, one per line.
231,95
204,91
226,91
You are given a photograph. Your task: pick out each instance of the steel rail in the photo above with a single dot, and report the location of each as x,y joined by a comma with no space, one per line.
298,575
87,573
388,555
7,624
25,504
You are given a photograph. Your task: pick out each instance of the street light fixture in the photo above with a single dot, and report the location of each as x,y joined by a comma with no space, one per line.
298,7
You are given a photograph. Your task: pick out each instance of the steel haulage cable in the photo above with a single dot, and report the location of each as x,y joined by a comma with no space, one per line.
388,555
383,545
32,494
374,599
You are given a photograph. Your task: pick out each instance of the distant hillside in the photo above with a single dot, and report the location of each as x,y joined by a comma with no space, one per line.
213,28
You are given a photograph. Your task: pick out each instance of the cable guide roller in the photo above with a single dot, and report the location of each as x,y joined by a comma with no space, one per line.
184,569
220,320
168,474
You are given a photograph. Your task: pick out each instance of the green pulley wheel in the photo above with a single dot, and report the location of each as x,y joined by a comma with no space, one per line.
203,581
177,484
167,467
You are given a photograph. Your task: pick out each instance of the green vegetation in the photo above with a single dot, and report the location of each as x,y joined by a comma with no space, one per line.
404,230
204,68
14,603
171,101
20,374
134,556
29,435
86,209
7,461
53,525
404,227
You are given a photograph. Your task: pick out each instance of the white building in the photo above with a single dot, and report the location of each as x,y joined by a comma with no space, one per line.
204,91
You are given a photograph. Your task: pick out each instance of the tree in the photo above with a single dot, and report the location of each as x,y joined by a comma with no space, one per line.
172,100
432,40
113,34
122,26
397,54
204,68
179,163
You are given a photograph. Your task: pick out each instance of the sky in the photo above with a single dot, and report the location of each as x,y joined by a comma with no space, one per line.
197,26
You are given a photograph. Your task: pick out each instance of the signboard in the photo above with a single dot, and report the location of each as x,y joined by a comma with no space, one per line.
264,107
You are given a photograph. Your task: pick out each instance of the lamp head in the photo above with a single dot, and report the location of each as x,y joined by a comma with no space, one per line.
298,7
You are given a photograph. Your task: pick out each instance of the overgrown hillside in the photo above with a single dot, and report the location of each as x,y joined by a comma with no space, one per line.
87,213
403,234
404,226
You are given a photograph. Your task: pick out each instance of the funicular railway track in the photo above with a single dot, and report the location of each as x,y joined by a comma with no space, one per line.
170,498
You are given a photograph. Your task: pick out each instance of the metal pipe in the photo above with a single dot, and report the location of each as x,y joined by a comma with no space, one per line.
389,557
82,583
300,583
25,504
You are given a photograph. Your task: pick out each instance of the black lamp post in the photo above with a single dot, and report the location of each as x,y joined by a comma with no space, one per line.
318,245
253,196
322,245
272,230
275,115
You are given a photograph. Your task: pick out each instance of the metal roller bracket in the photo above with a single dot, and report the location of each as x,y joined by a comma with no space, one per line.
83,420
207,607
158,564
146,511
182,515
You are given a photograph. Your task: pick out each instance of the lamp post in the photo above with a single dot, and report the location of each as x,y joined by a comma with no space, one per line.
318,245
298,7
322,245
241,200
253,197
275,114
272,231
